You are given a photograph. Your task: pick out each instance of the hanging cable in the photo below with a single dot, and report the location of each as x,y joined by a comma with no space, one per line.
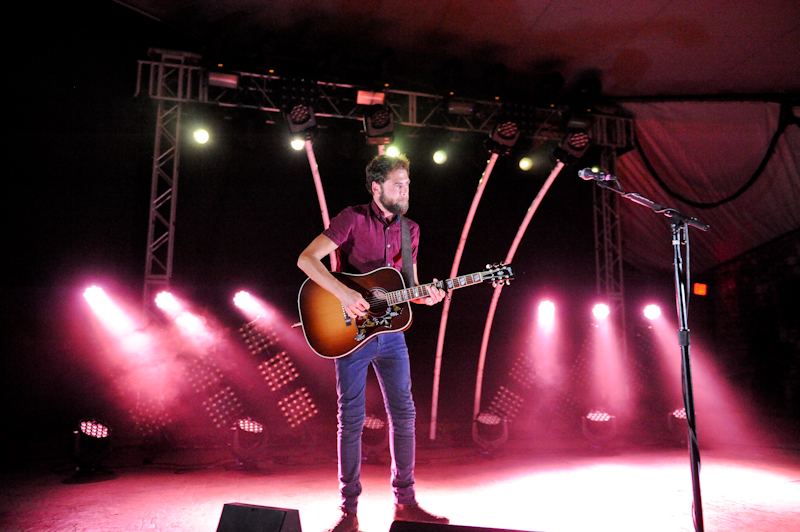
786,119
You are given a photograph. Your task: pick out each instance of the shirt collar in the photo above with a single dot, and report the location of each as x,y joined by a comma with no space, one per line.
376,211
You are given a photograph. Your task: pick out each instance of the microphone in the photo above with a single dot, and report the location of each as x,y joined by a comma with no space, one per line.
586,174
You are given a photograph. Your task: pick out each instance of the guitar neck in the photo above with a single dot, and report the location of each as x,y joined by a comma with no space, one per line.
417,292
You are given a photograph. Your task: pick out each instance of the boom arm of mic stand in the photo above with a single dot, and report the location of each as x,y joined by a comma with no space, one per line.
666,211
656,207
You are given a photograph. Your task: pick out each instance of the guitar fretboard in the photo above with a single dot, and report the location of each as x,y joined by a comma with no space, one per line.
416,292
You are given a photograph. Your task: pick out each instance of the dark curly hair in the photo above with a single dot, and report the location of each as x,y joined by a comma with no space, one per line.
381,166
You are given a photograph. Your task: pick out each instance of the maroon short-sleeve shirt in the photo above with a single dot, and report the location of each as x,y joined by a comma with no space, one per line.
368,241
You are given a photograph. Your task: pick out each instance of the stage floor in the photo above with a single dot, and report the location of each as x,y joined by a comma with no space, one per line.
519,488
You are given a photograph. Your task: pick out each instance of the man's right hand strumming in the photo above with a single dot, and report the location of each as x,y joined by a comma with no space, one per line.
310,261
354,303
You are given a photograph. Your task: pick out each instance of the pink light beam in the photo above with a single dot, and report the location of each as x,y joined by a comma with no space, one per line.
113,318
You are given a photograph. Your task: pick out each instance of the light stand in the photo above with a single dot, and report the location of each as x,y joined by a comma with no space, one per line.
680,237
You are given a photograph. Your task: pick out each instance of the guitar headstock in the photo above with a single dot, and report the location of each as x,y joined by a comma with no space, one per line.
498,274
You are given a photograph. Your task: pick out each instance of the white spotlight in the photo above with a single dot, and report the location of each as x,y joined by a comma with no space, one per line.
439,157
601,311
547,315
652,312
525,163
392,151
167,302
298,144
201,136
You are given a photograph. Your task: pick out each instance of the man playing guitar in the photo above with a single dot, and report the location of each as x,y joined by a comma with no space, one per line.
367,237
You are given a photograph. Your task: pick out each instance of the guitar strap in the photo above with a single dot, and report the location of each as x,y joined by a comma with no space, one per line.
408,259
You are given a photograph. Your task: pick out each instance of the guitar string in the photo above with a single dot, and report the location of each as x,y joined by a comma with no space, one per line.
424,289
383,299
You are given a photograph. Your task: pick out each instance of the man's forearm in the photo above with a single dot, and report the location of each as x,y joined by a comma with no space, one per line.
318,273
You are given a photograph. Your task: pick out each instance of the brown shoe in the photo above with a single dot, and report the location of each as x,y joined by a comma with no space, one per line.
347,523
413,512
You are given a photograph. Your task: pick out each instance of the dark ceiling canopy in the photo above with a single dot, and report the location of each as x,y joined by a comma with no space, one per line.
649,48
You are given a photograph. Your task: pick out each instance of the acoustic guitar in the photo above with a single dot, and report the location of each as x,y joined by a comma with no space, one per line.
331,333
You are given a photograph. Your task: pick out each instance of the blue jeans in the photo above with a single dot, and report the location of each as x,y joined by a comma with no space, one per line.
388,355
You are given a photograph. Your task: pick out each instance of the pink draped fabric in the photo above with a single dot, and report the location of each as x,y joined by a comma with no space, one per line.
705,152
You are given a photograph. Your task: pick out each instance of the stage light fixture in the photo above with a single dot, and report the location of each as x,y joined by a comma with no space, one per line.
599,426
459,107
243,300
167,302
440,157
678,426
201,136
298,144
249,443
370,98
226,81
652,312
525,164
379,125
254,309
490,431
92,445
578,137
374,438
504,135
601,311
95,295
116,321
392,151
546,316
301,119
576,144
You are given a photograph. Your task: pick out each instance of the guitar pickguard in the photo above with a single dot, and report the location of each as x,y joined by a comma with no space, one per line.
370,322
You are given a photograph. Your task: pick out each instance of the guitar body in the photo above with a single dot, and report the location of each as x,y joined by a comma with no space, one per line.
333,334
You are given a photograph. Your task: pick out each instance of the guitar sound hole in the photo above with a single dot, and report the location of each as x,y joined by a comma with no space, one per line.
377,301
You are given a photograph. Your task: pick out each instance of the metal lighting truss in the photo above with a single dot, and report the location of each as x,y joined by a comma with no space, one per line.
266,92
175,77
608,244
170,83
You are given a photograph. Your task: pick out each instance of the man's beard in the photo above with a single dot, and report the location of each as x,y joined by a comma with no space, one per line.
398,209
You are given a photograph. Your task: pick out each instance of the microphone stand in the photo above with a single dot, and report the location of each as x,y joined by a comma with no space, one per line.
680,236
